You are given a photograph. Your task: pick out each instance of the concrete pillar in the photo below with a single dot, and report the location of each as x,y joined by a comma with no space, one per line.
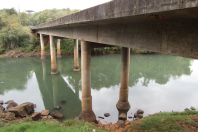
76,62
42,47
58,49
123,103
87,113
53,56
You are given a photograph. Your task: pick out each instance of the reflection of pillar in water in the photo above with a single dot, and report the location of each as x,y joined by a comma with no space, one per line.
42,47
53,56
76,62
123,103
59,65
44,69
87,113
58,49
55,89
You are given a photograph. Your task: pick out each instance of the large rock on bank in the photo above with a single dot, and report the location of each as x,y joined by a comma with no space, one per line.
22,110
10,116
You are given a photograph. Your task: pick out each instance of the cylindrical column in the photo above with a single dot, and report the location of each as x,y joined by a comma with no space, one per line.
58,49
53,56
76,62
87,113
123,103
42,47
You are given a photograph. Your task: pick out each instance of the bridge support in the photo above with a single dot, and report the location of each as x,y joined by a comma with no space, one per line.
58,49
87,113
76,62
123,103
53,56
42,47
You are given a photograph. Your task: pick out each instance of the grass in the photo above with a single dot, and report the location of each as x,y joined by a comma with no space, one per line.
46,126
171,122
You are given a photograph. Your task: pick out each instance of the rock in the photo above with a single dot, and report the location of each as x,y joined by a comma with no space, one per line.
103,123
140,115
186,109
6,121
10,116
77,118
127,122
57,115
45,118
121,123
57,107
62,101
100,117
135,115
9,101
140,111
29,108
1,102
192,108
123,116
36,116
130,117
19,110
45,112
2,108
106,114
11,105
50,117
2,114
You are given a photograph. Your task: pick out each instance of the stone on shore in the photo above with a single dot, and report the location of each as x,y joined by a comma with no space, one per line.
135,115
103,123
130,117
36,116
19,110
29,108
122,116
10,116
9,101
11,105
140,115
100,117
140,111
192,108
106,114
2,114
1,102
77,118
2,108
45,112
121,123
57,115
186,109
127,122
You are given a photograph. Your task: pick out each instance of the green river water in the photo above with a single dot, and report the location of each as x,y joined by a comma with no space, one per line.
156,83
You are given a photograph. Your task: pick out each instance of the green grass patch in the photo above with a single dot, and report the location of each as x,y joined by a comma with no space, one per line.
169,121
66,126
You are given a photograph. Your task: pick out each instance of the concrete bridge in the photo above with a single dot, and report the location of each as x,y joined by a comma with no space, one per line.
163,26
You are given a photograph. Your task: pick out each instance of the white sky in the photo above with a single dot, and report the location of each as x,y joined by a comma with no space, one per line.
39,5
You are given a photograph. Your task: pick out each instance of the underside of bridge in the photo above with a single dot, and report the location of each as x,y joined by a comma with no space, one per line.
168,27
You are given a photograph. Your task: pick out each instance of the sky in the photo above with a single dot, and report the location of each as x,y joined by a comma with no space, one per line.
39,5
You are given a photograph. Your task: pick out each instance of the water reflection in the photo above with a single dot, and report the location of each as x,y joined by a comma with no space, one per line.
156,83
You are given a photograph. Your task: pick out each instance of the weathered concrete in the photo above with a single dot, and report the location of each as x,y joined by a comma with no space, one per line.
53,56
123,104
76,62
42,47
87,113
58,49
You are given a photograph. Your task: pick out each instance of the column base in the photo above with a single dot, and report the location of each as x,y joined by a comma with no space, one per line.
76,70
59,56
88,116
43,57
123,106
54,73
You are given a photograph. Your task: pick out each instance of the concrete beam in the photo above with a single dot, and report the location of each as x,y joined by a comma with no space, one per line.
167,37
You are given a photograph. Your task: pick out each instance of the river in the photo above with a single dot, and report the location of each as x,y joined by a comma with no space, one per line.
156,83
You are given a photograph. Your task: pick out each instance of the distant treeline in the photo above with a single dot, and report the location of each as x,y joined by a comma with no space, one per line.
14,31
